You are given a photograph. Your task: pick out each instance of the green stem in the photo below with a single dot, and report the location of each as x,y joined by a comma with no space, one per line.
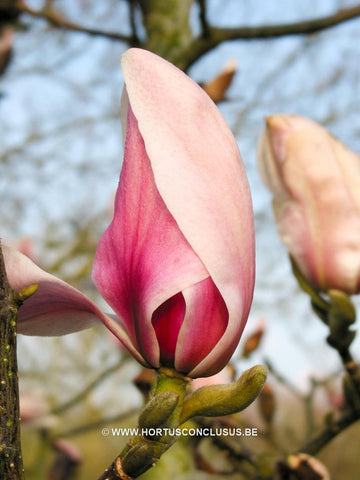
339,314
171,381
144,449
11,465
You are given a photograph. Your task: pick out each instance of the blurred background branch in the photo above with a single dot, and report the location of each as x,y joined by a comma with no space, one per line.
183,48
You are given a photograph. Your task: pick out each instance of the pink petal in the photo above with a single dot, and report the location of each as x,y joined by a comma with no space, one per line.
190,324
56,308
167,320
200,177
205,322
143,259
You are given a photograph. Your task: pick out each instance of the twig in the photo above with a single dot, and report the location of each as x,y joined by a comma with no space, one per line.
283,380
134,36
58,130
200,46
58,20
210,37
235,449
88,389
205,32
79,430
309,413
331,431
305,27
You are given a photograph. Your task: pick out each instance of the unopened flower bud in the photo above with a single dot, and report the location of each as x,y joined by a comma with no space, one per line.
158,410
253,341
137,459
315,182
218,86
342,309
341,315
25,293
218,400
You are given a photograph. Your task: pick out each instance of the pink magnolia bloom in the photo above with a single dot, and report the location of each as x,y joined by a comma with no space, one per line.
177,262
315,180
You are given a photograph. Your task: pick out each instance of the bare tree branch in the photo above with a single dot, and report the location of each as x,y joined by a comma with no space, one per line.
333,429
134,35
78,397
86,427
297,28
54,17
210,37
203,20
218,35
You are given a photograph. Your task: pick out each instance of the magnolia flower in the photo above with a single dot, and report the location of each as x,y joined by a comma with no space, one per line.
316,185
176,263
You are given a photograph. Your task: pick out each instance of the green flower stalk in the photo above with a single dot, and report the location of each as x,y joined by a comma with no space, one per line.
161,420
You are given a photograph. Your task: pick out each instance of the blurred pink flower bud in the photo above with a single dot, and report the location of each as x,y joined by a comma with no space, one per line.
177,262
33,406
68,450
316,185
25,245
